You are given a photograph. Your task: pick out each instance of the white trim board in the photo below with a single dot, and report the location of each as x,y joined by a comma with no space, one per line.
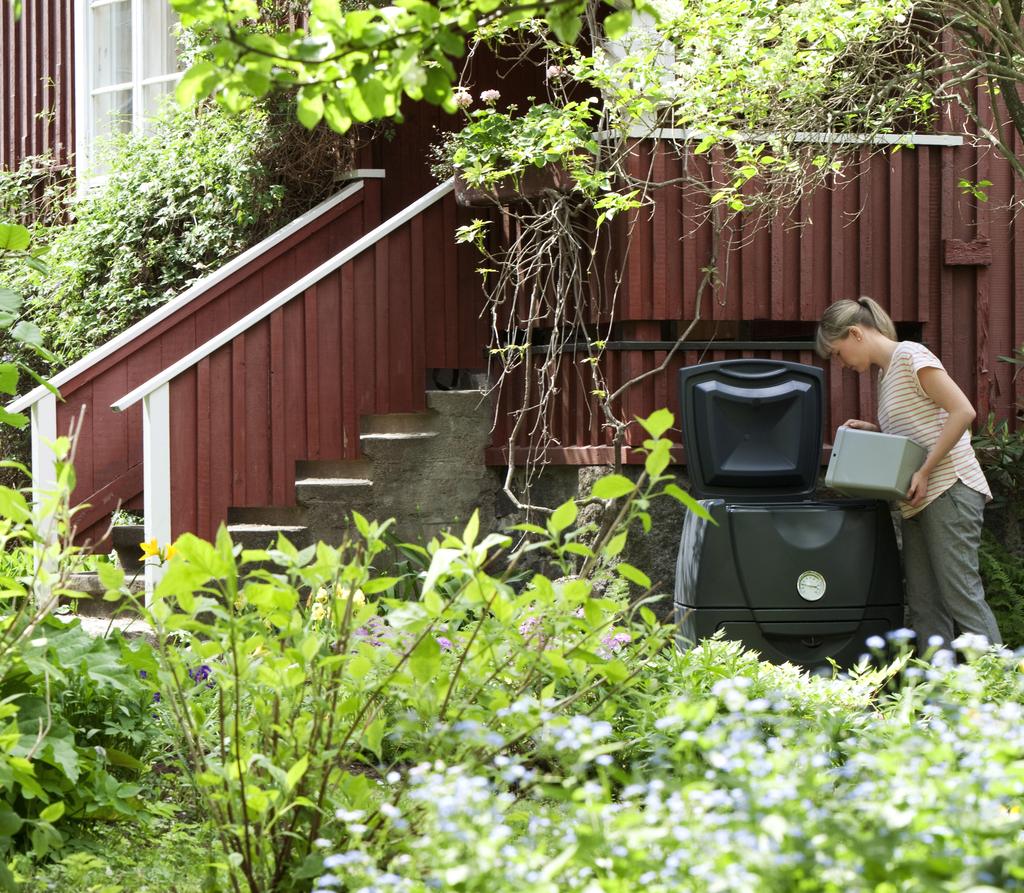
195,291
279,300
878,139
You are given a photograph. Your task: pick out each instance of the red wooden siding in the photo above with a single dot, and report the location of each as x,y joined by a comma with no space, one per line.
37,107
896,227
109,450
293,386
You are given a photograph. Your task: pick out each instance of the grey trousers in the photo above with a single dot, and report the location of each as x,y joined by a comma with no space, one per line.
940,559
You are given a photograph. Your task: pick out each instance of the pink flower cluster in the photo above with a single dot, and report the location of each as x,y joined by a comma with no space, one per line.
614,643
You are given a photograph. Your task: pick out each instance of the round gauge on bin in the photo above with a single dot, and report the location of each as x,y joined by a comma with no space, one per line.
810,585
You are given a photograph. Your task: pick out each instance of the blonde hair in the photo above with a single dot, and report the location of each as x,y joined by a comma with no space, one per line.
839,317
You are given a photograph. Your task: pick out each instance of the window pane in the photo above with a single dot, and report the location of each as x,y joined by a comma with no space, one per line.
159,46
112,112
112,44
152,94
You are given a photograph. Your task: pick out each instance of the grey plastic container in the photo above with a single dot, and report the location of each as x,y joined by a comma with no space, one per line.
873,465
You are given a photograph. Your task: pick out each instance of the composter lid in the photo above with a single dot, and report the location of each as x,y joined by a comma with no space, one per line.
752,428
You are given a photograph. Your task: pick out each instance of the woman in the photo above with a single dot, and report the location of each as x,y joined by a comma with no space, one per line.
944,508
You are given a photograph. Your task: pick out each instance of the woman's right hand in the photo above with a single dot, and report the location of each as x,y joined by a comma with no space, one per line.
858,423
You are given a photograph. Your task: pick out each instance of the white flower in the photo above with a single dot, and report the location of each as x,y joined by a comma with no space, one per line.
970,642
490,96
463,99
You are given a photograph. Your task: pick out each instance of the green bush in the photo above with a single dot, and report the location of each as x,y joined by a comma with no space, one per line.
75,710
294,679
490,731
1003,575
751,793
179,202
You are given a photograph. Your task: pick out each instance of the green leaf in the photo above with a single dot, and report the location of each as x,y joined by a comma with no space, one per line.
296,772
469,535
52,812
309,108
110,576
372,587
326,11
14,419
615,671
562,517
8,378
13,237
196,83
358,667
616,544
618,23
10,301
10,821
425,659
658,458
612,486
633,574
566,24
657,423
337,117
27,333
439,567
362,525
433,603
686,499
257,82
13,505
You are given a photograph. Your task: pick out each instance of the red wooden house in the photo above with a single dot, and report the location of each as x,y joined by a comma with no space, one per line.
213,403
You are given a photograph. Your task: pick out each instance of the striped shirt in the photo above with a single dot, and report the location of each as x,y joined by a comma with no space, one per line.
905,409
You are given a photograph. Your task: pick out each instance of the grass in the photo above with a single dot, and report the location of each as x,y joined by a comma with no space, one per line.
164,856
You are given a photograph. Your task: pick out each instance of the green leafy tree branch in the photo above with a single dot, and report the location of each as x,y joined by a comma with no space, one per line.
350,65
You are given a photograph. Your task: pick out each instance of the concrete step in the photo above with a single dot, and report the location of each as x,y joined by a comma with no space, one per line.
287,516
310,491
333,468
397,423
382,449
92,604
264,536
456,401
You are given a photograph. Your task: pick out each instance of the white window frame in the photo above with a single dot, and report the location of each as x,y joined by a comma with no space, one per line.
85,125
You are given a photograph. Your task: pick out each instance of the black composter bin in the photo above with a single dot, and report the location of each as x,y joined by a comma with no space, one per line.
795,578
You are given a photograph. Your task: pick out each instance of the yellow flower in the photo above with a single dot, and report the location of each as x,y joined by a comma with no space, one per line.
357,596
153,549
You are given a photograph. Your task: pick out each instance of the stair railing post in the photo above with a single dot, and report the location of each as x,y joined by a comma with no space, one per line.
43,416
156,477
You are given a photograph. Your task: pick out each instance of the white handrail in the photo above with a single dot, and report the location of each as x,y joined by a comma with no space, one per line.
279,300
193,292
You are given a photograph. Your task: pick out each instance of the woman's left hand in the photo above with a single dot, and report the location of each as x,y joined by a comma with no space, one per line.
918,491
